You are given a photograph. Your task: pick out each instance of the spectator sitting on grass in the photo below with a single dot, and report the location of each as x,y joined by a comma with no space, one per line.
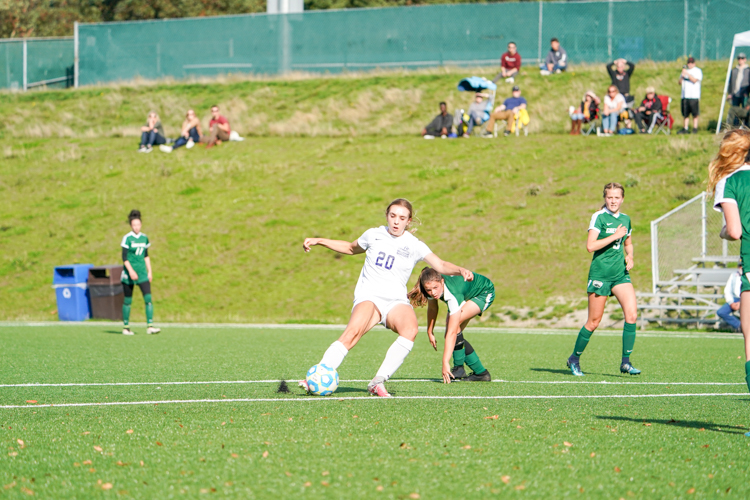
510,64
513,108
441,125
218,129
190,133
587,109
732,296
738,90
557,59
614,104
151,133
650,106
476,113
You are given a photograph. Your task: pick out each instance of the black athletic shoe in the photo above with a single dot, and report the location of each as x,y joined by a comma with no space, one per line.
458,372
484,377
683,131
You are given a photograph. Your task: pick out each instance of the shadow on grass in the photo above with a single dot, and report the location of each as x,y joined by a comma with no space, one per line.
692,424
349,389
567,372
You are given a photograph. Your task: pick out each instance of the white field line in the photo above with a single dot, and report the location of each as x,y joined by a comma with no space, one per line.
239,382
365,398
273,326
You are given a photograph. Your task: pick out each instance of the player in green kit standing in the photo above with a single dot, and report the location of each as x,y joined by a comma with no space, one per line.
609,240
465,300
136,271
729,179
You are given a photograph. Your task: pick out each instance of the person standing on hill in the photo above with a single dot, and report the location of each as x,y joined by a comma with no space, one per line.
218,129
690,81
729,180
737,92
136,271
510,64
609,274
620,71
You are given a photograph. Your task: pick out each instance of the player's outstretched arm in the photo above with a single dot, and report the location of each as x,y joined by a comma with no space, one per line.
432,312
451,333
340,246
445,267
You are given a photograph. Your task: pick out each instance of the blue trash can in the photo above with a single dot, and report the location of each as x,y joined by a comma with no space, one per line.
72,290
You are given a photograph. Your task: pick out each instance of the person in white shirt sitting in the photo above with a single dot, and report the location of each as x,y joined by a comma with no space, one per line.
732,296
614,104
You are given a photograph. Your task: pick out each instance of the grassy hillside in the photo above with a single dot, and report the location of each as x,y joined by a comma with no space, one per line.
227,224
392,103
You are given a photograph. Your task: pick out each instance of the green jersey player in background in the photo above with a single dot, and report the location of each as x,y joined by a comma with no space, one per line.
465,300
609,236
136,271
729,179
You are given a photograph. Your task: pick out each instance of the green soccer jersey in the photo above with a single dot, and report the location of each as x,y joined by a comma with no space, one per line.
735,188
136,246
457,291
608,264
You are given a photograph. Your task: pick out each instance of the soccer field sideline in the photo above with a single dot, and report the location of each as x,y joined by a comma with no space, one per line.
338,327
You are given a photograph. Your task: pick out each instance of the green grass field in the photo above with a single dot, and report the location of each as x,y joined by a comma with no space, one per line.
674,432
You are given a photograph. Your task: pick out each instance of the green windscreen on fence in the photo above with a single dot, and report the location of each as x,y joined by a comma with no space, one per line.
411,37
49,62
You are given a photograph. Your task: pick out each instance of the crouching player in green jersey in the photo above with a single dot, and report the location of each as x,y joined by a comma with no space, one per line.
729,179
465,299
609,235
136,271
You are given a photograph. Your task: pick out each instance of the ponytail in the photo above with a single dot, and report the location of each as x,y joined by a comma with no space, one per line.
418,295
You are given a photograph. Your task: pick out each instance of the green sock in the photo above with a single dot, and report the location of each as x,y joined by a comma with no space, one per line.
747,374
628,339
459,357
582,341
149,309
126,310
472,359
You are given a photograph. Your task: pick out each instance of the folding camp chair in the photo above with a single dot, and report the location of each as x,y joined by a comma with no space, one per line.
591,122
663,120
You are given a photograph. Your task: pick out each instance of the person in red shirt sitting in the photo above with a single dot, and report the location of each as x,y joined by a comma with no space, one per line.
510,64
649,108
218,129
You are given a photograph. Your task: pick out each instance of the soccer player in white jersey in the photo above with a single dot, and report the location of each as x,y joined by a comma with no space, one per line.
380,296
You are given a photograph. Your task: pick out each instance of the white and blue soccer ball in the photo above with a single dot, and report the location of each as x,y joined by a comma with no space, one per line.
322,380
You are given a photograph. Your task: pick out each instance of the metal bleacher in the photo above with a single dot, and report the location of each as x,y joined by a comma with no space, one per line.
690,266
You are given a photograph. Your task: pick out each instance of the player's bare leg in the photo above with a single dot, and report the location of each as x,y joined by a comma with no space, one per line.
364,316
625,294
402,320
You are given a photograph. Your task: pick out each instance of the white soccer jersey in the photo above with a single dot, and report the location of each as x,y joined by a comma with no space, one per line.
389,263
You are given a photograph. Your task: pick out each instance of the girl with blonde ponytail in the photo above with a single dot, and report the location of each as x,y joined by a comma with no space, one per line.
729,180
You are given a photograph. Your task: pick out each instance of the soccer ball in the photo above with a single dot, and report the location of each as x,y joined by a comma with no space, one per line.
322,380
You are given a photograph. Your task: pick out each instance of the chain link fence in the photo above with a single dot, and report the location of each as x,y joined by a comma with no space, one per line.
687,237
32,62
407,37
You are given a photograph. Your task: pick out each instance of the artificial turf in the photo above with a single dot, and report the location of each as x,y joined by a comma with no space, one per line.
289,445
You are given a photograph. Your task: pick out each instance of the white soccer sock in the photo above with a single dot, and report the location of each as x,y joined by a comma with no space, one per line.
334,355
395,357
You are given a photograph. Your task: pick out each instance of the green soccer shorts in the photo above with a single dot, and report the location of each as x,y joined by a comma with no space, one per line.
485,300
604,288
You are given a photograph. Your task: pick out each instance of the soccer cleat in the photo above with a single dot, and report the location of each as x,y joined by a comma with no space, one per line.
378,390
483,377
190,144
575,368
630,369
165,149
151,330
458,372
127,331
303,384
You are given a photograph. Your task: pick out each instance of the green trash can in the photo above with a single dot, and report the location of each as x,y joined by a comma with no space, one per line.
106,292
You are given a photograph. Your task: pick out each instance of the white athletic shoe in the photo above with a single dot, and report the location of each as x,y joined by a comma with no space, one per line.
428,136
544,72
165,149
148,149
151,330
378,390
190,144
142,149
510,80
127,331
